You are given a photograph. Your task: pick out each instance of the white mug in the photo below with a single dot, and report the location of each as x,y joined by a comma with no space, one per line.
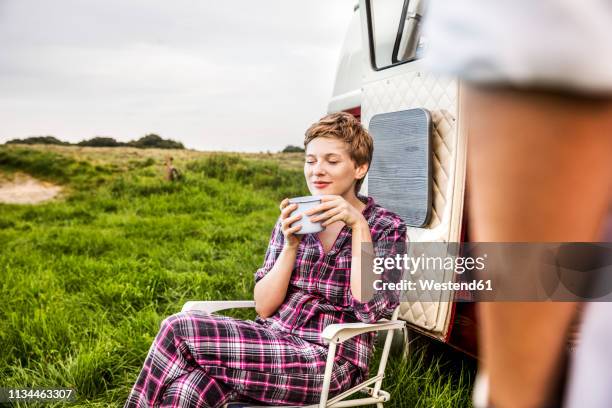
304,204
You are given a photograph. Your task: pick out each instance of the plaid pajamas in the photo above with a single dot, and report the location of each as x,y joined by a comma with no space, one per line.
206,360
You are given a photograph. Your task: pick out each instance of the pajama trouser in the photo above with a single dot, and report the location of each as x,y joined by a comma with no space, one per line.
205,360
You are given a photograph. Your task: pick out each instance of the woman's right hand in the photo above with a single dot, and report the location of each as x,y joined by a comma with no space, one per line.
291,240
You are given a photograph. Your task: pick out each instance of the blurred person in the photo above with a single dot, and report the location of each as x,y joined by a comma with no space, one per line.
537,94
306,283
172,173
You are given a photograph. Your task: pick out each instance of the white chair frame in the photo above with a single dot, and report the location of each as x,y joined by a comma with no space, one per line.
333,334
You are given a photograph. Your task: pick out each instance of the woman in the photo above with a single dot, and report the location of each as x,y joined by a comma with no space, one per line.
306,283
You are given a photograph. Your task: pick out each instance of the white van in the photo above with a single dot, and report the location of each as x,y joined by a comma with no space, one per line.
413,117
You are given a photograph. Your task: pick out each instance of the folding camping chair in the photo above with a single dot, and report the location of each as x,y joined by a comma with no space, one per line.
334,334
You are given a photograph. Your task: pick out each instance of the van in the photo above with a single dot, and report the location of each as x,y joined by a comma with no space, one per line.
419,164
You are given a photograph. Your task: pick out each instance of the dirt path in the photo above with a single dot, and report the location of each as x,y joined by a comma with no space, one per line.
23,189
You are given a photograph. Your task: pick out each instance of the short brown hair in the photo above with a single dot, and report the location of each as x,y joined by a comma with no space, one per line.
345,127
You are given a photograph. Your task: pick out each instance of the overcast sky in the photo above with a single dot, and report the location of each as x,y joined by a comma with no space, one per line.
216,75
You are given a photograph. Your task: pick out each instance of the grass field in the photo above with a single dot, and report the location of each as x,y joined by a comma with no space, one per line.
86,279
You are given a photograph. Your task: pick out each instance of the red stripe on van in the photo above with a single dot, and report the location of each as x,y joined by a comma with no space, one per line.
356,111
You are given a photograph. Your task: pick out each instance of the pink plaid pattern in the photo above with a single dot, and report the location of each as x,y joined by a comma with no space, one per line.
204,360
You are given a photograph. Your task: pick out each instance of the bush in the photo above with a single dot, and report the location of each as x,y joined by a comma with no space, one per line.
292,149
50,140
154,141
101,142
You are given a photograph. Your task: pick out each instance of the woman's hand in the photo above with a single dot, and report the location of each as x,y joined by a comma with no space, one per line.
291,240
335,208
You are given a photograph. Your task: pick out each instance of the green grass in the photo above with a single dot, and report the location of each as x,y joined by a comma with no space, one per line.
85,280
431,376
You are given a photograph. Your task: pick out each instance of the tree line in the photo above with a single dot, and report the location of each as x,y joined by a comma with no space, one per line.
148,141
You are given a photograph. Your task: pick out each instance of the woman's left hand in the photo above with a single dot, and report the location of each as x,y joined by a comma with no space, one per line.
335,208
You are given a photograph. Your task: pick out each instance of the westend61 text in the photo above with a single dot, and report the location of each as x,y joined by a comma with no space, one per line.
431,284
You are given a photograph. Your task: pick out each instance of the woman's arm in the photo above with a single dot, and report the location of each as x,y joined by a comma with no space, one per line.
361,234
271,289
389,234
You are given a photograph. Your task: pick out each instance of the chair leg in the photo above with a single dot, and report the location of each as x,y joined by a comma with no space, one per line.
383,362
406,340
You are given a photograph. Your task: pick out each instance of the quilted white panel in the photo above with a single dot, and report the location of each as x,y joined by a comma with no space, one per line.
415,89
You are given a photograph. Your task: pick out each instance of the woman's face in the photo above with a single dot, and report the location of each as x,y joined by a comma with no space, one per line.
329,169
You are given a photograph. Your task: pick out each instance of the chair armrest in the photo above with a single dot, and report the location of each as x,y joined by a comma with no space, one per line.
337,333
216,305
